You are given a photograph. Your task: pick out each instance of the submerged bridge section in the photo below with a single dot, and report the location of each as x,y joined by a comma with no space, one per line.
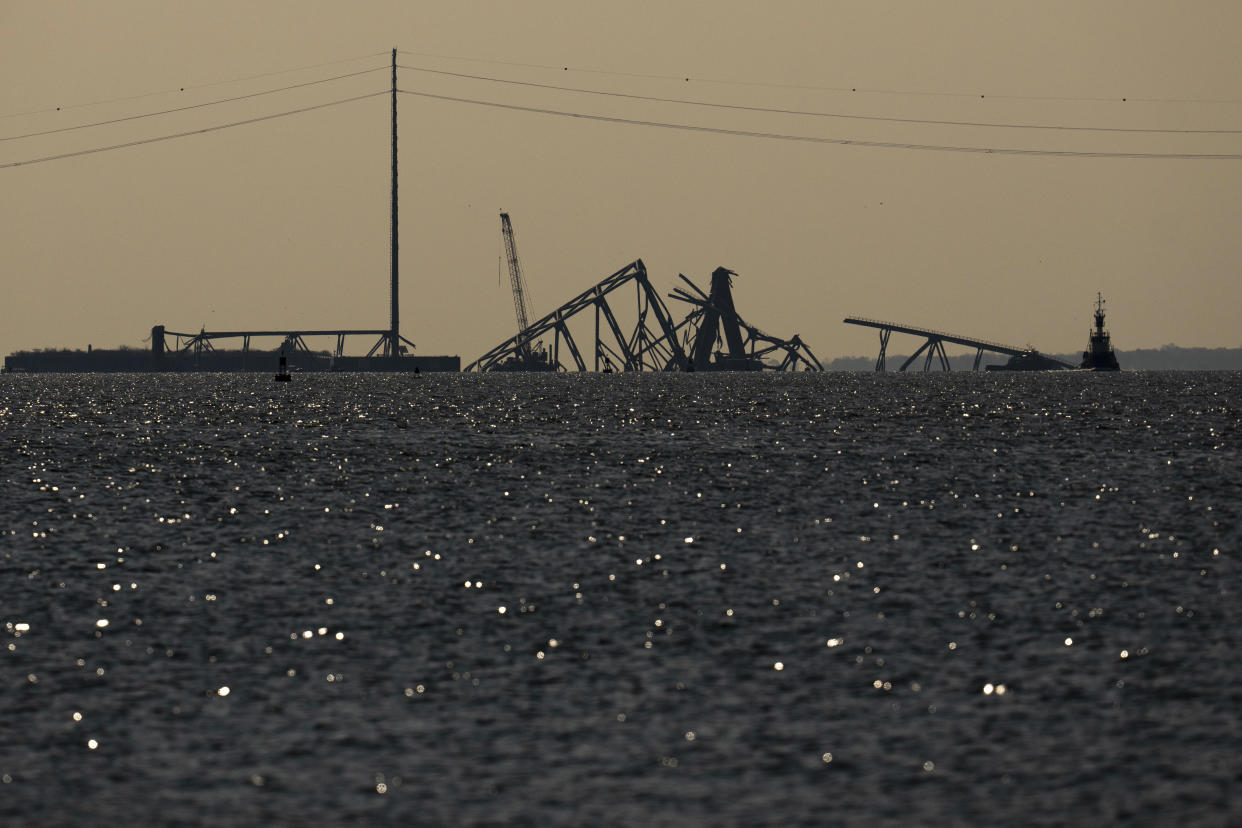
933,345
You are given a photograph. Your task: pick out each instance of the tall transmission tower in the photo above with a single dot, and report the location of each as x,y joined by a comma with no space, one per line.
394,335
392,343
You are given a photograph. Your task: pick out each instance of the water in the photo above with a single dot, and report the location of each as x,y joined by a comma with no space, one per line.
626,599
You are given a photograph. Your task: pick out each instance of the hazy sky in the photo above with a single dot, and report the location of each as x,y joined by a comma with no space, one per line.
284,223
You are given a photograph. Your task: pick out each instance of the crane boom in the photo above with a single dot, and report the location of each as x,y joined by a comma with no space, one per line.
515,278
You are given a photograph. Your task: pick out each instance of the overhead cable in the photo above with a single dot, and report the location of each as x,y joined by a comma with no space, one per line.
818,114
193,106
384,53
215,128
847,89
853,142
196,86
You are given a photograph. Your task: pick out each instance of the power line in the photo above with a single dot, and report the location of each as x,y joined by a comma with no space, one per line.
648,123
838,141
819,114
215,128
384,53
539,66
846,89
191,106
198,86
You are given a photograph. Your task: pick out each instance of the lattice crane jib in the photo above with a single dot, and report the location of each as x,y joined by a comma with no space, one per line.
515,280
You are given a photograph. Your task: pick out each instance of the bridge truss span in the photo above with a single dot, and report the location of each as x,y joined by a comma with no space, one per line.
644,337
932,350
651,344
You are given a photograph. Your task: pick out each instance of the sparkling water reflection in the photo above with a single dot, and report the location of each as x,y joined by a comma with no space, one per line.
453,599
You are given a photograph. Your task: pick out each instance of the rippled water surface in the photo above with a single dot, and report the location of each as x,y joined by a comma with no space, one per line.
626,599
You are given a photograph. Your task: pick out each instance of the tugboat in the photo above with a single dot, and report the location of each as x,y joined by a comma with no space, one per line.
1099,355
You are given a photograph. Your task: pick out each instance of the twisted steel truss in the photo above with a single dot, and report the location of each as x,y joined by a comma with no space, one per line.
716,320
652,344
655,342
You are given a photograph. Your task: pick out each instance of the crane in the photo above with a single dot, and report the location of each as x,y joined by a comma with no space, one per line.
526,358
515,278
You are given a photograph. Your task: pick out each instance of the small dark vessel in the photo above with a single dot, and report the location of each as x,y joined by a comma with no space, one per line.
528,358
1099,355
283,374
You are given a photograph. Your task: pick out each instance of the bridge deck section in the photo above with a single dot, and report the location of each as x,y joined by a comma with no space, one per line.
969,342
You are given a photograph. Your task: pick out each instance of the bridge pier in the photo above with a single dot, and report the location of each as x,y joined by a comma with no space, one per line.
934,346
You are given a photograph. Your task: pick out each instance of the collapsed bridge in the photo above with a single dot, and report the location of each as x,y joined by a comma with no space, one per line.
653,341
1020,358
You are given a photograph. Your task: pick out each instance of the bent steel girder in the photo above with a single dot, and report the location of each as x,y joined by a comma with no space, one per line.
795,351
562,332
745,341
885,333
934,348
730,322
718,312
663,351
389,344
633,351
627,358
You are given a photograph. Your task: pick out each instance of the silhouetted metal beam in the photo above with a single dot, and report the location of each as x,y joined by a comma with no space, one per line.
293,339
562,331
934,344
941,335
885,333
597,297
745,342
